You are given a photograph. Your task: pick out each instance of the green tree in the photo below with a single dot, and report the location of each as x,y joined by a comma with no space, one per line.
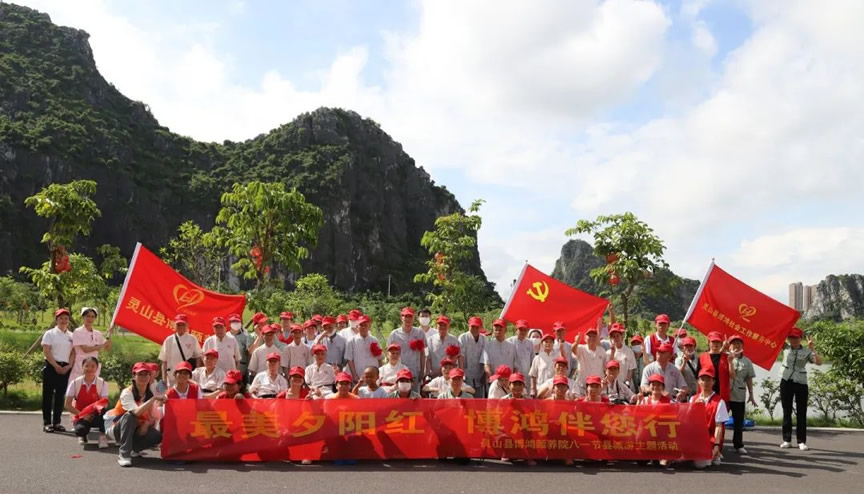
632,252
770,396
192,255
452,245
264,225
842,344
12,369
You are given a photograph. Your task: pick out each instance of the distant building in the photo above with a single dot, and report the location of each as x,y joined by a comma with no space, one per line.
809,295
796,295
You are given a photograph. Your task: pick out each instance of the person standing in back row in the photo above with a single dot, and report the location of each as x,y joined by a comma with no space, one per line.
88,342
742,385
657,338
412,342
59,355
794,389
179,347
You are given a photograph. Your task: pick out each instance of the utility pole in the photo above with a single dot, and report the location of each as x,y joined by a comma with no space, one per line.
388,285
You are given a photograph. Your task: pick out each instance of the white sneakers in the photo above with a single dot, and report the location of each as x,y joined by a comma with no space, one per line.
103,441
803,447
137,454
124,462
82,441
785,445
742,451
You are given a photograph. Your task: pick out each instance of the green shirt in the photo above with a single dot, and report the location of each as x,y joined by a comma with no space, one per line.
795,362
449,395
743,371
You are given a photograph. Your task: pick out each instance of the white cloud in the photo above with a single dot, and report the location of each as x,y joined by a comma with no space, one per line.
703,39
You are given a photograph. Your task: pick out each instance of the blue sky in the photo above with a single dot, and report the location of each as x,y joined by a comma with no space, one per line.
731,127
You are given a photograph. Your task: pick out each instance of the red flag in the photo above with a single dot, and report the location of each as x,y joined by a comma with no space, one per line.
725,304
153,294
541,300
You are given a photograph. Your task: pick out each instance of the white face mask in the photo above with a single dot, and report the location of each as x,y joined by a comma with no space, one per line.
424,321
636,348
353,324
535,340
404,387
236,326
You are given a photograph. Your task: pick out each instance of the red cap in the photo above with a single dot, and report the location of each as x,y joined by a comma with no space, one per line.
522,324
593,380
319,348
665,347
637,338
141,366
517,377
590,330
328,320
364,319
259,317
154,368
558,325
297,371
394,347
715,336
796,333
688,340
457,372
274,356
657,378
499,322
294,327
181,318
343,377
183,366
706,371
233,377
404,374
736,337
354,314
613,363
306,325
269,329
218,321
503,371
662,318
443,320
680,333
341,318
616,328
447,361
212,353
235,318
406,311
59,312
560,380
286,315
475,321
547,336
562,360
317,318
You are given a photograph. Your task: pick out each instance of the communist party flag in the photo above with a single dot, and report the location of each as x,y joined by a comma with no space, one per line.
153,294
541,300
725,304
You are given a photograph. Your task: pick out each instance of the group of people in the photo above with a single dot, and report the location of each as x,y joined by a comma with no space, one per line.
329,357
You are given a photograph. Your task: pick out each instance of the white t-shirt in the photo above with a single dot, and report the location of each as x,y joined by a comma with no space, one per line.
294,355
228,348
591,362
60,342
357,350
185,394
543,366
83,337
170,352
387,373
212,382
496,391
263,384
76,384
316,376
258,359
363,392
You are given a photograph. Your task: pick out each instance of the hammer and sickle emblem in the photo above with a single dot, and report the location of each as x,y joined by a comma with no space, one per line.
184,296
746,311
540,291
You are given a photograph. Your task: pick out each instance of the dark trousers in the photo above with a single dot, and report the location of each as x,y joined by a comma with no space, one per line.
798,393
53,393
126,436
82,427
737,408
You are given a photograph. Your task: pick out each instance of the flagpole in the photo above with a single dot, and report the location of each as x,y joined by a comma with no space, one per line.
125,282
513,290
693,303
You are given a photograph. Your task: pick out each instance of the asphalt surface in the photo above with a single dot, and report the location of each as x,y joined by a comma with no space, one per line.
33,461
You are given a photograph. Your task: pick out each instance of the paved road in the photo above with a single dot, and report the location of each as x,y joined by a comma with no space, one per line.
32,461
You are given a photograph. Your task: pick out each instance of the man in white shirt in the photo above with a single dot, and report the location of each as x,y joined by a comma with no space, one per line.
674,381
591,357
560,330
424,319
622,353
209,377
258,359
333,341
543,365
413,344
320,376
359,349
180,346
436,345
225,344
546,388
296,353
473,345
59,357
269,383
524,347
499,351
353,325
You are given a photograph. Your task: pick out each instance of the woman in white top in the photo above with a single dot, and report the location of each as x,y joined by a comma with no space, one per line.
269,383
88,342
83,397
500,386
59,355
209,377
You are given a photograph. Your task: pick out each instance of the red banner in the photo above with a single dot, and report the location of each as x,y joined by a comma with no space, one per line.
153,294
272,430
541,300
729,306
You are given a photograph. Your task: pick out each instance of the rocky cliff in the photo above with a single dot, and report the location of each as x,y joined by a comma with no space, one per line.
838,297
60,120
665,292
